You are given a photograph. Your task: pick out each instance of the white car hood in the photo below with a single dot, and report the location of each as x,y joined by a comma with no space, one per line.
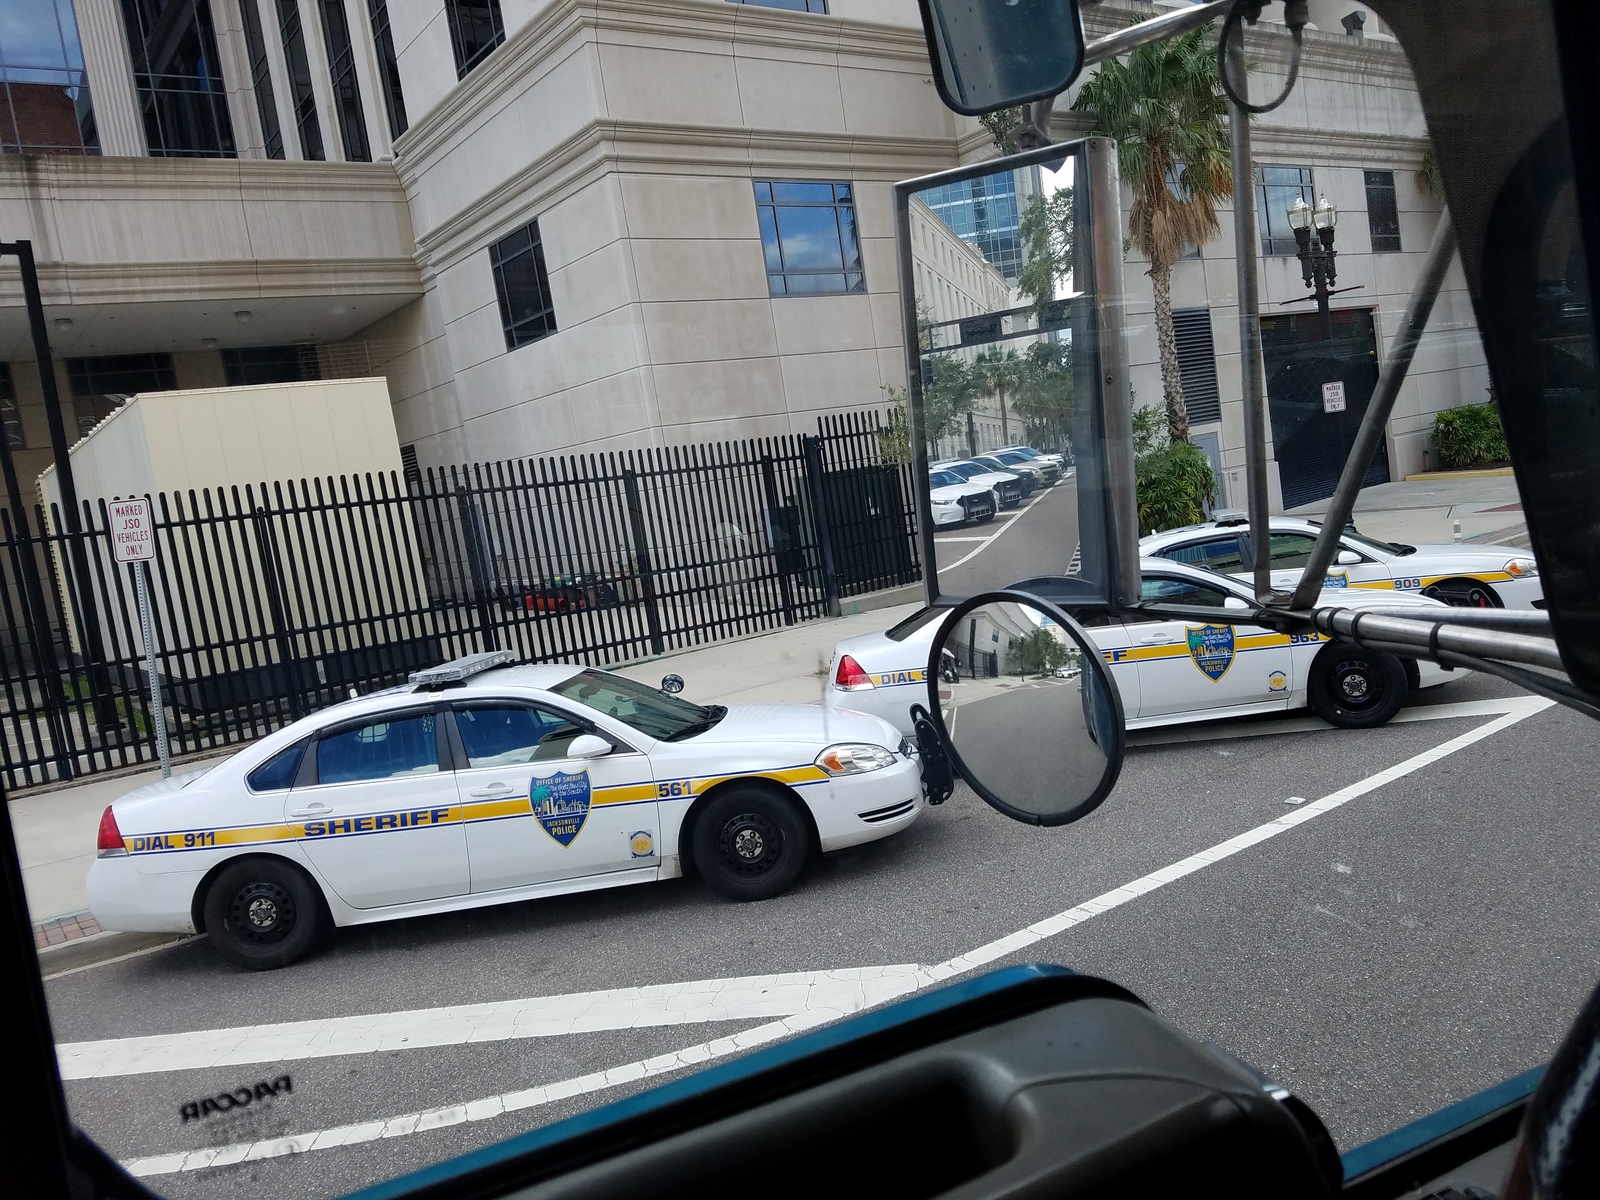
950,493
811,724
1454,557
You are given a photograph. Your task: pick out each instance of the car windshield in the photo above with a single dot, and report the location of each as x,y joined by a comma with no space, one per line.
967,470
1377,546
918,620
649,710
945,479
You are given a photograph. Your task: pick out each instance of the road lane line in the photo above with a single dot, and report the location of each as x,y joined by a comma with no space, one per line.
1271,725
756,997
891,987
1089,909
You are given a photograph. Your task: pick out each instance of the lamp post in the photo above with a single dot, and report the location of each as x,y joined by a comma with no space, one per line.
1316,259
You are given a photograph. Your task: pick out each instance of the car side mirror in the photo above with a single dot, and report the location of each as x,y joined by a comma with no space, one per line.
672,684
987,55
1347,558
1235,603
1035,724
587,745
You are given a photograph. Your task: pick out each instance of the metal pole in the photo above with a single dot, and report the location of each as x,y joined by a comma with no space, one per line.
1111,356
141,575
99,681
1250,368
1143,33
1401,351
1324,312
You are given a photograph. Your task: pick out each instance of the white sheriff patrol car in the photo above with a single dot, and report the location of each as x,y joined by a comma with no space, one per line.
1168,672
1460,574
483,784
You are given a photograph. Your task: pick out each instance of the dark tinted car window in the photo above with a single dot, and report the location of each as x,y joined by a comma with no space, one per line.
1220,554
278,772
379,750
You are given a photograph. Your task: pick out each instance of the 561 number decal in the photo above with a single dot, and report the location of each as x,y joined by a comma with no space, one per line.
673,788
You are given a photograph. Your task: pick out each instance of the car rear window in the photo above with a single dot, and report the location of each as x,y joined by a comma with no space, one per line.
1220,554
278,772
914,622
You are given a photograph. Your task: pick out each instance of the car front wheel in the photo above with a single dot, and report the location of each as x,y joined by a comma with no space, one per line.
262,913
749,844
1355,688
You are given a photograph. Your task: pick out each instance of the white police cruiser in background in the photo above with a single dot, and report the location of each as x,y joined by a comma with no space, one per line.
1458,574
1169,672
484,784
955,501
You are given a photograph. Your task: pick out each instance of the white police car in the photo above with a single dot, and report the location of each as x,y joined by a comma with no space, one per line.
1459,574
955,501
1169,672
484,784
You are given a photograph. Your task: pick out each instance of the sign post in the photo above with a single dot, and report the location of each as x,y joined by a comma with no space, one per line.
133,541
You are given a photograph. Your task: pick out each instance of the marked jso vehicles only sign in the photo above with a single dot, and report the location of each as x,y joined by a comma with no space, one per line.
133,530
1333,396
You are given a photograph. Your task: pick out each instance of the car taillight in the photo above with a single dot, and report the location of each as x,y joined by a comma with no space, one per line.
110,840
850,677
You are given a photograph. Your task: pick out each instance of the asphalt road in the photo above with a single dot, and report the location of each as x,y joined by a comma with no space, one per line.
1426,939
1038,537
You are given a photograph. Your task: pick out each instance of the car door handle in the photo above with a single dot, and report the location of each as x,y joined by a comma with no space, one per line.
311,810
1155,639
493,789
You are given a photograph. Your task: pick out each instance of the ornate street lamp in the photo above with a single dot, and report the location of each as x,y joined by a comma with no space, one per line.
1316,260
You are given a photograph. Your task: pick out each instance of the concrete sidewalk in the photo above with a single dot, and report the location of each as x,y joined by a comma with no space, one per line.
1425,508
56,830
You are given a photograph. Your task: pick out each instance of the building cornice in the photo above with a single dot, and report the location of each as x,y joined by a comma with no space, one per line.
685,24
56,176
222,279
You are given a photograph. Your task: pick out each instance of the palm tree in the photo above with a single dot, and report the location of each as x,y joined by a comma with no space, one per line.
1000,371
1165,109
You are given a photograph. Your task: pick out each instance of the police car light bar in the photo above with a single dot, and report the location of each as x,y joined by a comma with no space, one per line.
458,669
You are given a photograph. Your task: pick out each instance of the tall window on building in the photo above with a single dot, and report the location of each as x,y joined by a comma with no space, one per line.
810,6
261,79
1197,364
388,67
1277,188
270,364
808,232
101,385
44,93
1383,215
179,78
985,212
342,72
305,100
475,30
9,416
522,285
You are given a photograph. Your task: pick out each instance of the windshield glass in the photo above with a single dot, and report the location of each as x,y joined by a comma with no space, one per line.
434,332
646,709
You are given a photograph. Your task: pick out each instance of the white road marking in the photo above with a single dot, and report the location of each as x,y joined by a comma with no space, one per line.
894,982
833,993
1271,725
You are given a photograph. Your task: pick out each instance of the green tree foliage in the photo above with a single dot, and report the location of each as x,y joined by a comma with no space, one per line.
1044,398
1046,229
1470,436
999,371
1429,182
1003,125
1165,108
1172,480
1037,653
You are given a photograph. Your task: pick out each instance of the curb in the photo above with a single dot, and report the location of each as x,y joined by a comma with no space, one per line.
100,948
1486,473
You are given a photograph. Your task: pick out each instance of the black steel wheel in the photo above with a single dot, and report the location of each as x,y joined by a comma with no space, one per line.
1355,688
263,913
750,844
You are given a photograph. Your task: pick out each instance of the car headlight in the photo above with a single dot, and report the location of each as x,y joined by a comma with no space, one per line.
854,758
1521,568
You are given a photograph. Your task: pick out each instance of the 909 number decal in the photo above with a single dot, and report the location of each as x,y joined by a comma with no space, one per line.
673,788
1407,585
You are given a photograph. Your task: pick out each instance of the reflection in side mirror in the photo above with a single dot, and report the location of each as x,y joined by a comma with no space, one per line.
989,54
1033,721
587,745
672,684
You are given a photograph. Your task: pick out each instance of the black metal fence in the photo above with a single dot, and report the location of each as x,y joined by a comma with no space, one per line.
271,601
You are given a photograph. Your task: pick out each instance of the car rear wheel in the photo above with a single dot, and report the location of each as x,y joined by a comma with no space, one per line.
1355,688
749,844
263,913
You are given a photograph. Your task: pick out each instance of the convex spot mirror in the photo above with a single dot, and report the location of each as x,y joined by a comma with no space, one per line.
672,684
1033,720
990,54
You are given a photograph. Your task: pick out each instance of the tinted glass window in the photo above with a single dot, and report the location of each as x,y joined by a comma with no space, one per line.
277,773
44,90
1277,188
1181,591
475,29
915,622
808,237
1291,550
1220,554
502,736
1383,214
381,750
177,71
522,285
